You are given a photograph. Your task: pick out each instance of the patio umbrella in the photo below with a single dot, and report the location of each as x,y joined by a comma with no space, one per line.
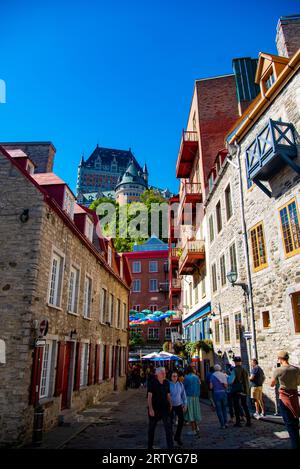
146,311
151,356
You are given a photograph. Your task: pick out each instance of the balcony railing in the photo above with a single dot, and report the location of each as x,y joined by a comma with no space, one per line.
272,148
175,253
190,194
193,252
187,151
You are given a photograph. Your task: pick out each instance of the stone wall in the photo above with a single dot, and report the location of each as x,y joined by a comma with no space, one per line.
41,153
25,264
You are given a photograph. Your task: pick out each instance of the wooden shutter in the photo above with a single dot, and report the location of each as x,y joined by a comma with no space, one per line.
36,375
97,364
91,364
107,355
77,366
60,368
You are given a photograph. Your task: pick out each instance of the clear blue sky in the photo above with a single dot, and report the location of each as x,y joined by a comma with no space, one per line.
120,73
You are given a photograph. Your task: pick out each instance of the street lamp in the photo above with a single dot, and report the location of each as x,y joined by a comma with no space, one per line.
232,278
219,353
230,354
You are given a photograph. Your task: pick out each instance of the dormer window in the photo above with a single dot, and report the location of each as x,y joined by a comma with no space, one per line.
269,82
89,229
30,167
69,202
109,256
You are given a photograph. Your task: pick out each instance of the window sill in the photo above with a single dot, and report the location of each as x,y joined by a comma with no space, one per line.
88,319
58,308
46,400
82,388
72,313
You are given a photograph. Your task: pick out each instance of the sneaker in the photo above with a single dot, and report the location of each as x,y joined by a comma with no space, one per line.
256,416
262,414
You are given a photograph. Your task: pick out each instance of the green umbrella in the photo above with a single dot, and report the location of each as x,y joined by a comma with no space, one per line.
146,311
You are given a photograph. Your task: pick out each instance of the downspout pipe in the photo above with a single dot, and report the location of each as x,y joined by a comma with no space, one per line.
247,258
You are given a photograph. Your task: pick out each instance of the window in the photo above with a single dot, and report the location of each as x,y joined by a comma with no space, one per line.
111,308
56,280
238,326
89,228
136,286
191,293
46,370
219,216
214,277
87,297
101,367
136,308
203,283
118,314
228,202
69,202
232,256
153,308
217,332
211,229
125,316
211,181
136,267
103,306
269,82
289,218
226,330
296,310
109,256
111,358
258,247
223,270
196,285
266,322
153,333
73,290
84,365
153,286
153,266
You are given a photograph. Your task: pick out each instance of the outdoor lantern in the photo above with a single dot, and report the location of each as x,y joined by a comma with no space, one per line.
220,353
230,354
232,277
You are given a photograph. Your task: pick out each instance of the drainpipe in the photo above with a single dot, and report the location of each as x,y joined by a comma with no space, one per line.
246,249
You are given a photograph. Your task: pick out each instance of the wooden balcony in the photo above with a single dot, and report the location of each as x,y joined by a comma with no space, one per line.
174,254
192,255
187,152
271,149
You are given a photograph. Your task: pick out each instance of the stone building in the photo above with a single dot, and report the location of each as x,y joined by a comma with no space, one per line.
64,302
266,142
132,184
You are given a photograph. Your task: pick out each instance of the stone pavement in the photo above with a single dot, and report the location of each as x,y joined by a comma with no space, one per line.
120,422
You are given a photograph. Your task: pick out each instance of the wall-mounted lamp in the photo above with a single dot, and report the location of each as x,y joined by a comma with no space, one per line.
24,217
219,353
230,354
232,278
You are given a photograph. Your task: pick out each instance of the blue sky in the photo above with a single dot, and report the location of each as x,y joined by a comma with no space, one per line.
120,73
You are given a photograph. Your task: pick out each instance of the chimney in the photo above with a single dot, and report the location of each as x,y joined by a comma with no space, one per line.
288,35
41,153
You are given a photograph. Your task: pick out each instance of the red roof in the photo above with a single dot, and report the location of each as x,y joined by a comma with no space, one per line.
47,179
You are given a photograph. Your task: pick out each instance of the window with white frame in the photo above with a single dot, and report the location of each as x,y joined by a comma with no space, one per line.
89,228
46,370
125,317
109,256
153,266
118,314
103,305
87,297
136,285
73,290
84,366
111,308
56,279
69,202
136,267
153,285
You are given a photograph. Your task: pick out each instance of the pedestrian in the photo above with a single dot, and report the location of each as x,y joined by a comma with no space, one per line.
288,378
179,404
207,380
239,380
218,385
257,378
159,407
192,388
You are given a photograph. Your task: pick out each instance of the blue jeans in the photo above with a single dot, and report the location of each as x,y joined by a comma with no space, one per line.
220,399
292,425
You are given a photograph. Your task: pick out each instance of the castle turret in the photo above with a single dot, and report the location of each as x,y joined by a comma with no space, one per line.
145,173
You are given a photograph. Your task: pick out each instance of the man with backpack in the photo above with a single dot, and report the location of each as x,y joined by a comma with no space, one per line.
239,380
257,379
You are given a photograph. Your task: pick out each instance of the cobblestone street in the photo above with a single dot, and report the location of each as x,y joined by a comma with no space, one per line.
120,422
